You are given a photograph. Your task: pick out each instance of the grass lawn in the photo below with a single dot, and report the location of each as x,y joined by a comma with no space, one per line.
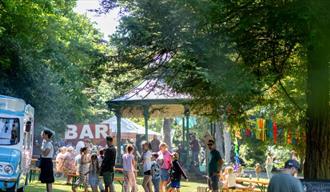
60,186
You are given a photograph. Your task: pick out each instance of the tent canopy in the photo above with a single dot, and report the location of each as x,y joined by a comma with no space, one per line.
128,126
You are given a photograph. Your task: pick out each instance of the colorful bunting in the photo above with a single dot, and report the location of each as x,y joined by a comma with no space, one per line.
262,129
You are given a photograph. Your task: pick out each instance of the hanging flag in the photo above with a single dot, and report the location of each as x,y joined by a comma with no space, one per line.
236,151
269,127
258,129
289,137
275,132
261,129
248,132
261,123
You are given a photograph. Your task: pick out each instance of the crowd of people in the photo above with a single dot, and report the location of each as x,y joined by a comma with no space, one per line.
94,166
162,171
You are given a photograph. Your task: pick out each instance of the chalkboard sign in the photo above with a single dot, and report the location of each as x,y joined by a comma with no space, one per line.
316,185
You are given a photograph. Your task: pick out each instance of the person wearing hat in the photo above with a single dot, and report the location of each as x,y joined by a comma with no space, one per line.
214,166
285,181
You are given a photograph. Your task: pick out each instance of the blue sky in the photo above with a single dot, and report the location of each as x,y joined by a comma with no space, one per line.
105,23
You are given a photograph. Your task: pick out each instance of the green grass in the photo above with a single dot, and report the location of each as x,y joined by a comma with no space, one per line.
60,186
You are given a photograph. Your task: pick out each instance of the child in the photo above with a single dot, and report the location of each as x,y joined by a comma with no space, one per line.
230,179
165,159
176,174
93,173
100,159
129,170
257,170
155,171
83,164
60,161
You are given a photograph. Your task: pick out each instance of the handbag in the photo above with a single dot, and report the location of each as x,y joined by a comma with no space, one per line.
38,162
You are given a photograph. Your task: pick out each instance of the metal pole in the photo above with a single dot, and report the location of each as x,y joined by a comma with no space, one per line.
187,113
183,131
146,117
118,116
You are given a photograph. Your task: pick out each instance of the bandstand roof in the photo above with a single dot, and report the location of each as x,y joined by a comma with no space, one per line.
156,95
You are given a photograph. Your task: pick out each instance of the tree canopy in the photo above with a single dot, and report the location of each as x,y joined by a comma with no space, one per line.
232,56
53,58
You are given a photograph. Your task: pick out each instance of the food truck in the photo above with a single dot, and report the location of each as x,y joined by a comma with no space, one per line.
16,143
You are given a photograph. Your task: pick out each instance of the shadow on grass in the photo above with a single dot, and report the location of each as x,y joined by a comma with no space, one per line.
40,187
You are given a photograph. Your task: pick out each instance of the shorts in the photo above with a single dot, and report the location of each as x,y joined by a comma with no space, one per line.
164,175
214,182
175,184
93,180
147,172
108,178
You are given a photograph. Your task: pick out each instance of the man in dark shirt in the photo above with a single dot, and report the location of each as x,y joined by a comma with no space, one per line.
195,148
155,144
108,164
214,166
285,181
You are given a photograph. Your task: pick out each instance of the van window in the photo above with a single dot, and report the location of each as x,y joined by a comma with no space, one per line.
9,131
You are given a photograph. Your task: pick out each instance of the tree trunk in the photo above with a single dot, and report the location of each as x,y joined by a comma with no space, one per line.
167,132
317,162
219,138
227,141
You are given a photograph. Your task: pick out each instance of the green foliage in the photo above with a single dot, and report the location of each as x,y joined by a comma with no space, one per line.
235,57
217,51
49,54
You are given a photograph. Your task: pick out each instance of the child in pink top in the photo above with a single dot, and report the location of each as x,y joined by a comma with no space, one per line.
165,159
129,169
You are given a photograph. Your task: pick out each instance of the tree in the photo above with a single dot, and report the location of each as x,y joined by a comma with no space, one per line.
230,54
50,56
318,91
